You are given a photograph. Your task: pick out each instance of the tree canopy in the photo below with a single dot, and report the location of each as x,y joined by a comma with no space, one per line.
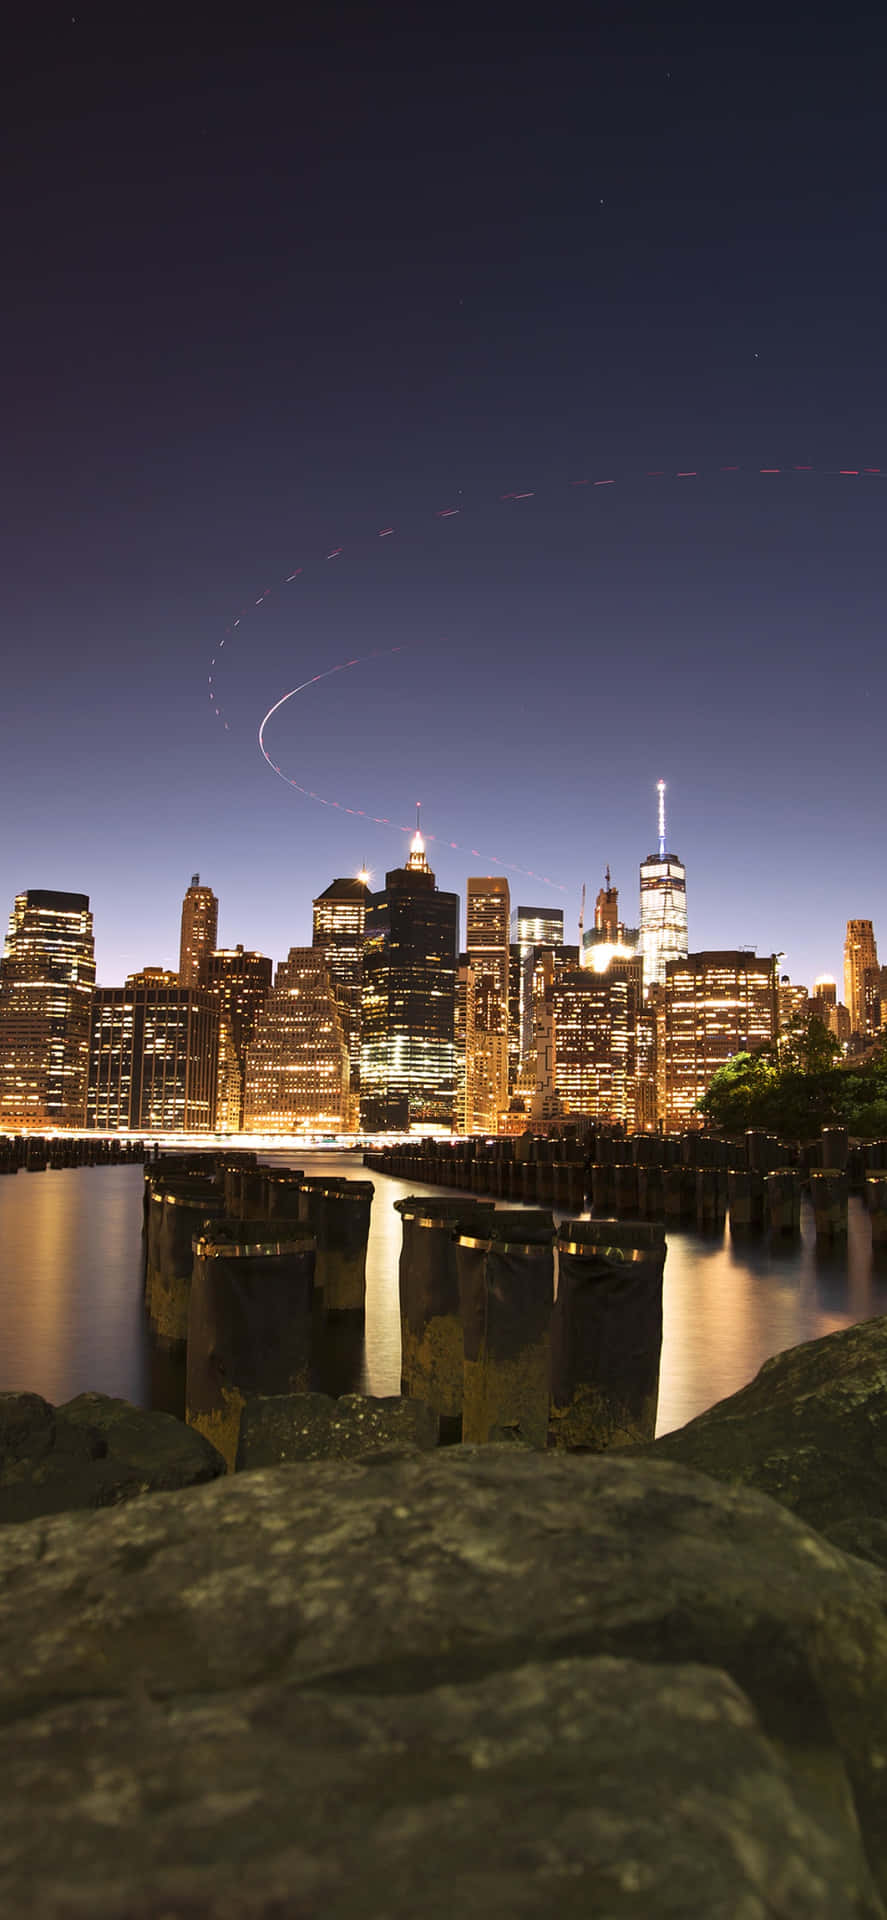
799,1086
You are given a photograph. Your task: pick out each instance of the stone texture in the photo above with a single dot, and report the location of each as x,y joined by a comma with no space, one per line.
481,1681
810,1430
95,1451
278,1428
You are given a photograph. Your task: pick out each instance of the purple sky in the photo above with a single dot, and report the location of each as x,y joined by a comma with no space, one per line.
275,291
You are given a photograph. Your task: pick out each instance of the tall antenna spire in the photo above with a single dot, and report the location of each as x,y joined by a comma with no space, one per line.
660,788
417,861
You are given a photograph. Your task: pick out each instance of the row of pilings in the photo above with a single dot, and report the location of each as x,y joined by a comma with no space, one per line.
39,1153
247,1265
693,1179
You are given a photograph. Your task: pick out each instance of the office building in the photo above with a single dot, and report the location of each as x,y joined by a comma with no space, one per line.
488,914
407,1054
663,906
239,983
297,1069
339,917
531,927
602,1047
824,1005
47,975
715,1005
153,1059
862,979
463,1043
200,926
609,939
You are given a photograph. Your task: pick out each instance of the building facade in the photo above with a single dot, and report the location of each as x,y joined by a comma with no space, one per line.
153,1058
239,983
47,975
200,926
714,1005
407,1054
297,1068
531,927
339,919
487,925
603,1052
663,906
862,980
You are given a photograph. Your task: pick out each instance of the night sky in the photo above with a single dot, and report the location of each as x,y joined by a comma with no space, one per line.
271,291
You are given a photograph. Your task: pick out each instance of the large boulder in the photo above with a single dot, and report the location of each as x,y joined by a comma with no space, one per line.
811,1430
478,1681
278,1428
94,1451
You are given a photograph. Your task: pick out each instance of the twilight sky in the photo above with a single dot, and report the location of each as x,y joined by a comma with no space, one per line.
272,290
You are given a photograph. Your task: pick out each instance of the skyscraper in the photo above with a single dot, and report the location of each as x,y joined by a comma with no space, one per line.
486,945
714,1005
663,906
862,987
297,1071
200,926
609,939
339,916
407,1053
239,983
532,927
47,975
153,1059
602,1052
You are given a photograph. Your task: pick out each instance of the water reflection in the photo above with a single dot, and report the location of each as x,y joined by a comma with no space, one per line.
72,1314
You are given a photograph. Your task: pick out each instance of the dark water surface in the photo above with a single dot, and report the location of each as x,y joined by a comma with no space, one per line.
72,1314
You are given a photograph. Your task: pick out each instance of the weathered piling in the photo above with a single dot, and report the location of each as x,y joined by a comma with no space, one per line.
282,1188
651,1192
178,1211
745,1199
679,1192
430,1321
606,1334
249,1325
338,1213
601,1186
625,1189
506,1294
835,1148
828,1192
876,1201
711,1196
782,1201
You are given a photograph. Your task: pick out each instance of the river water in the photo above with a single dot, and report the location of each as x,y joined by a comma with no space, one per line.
72,1316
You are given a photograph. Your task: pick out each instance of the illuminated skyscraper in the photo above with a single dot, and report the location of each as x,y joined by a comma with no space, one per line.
486,944
663,906
609,939
47,975
862,989
200,926
239,983
339,916
715,1005
602,1051
407,1052
153,1060
531,927
297,1071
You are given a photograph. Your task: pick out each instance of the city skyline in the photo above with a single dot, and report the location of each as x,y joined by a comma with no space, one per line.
524,261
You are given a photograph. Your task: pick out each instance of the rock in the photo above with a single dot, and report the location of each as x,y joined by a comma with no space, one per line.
278,1428
27,1427
93,1452
810,1430
485,1681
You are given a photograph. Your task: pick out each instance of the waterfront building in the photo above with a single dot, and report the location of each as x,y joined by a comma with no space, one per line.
487,947
463,1041
862,979
663,906
338,929
794,1003
239,982
715,1005
297,1069
47,975
200,926
603,1049
408,999
531,928
153,1057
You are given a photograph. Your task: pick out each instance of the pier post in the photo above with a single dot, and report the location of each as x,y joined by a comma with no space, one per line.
506,1292
606,1335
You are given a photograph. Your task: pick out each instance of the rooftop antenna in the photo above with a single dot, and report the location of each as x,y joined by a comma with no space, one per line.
607,877
581,918
660,788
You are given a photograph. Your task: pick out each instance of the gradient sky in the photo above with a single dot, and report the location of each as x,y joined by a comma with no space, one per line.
271,290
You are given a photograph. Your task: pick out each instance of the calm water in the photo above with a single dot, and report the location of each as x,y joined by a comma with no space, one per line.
72,1315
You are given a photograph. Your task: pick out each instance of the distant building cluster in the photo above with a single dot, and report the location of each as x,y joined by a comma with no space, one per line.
386,1023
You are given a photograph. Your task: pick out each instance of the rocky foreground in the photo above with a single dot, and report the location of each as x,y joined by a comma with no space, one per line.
471,1681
